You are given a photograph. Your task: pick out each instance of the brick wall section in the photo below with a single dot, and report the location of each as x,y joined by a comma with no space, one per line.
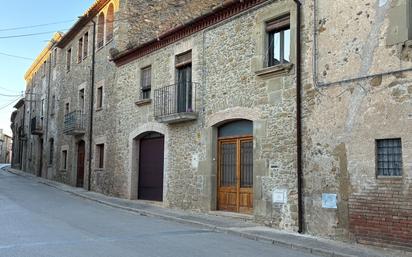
382,215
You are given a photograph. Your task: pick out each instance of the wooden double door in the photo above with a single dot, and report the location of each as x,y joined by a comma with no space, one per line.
235,175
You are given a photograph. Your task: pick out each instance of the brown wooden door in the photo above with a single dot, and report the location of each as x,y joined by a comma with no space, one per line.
235,175
151,158
80,163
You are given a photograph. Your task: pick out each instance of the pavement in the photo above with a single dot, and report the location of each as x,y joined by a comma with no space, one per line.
240,225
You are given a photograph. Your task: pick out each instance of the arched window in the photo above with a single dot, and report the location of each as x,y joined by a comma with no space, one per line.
100,31
109,23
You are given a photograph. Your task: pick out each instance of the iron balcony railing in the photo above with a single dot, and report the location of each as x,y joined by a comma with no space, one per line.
175,99
74,123
36,126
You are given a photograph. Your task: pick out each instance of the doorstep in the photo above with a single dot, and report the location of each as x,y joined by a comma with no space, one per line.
234,215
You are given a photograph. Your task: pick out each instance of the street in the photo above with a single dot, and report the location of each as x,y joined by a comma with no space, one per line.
39,221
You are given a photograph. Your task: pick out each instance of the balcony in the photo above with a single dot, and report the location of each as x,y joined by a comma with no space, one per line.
175,103
74,123
36,126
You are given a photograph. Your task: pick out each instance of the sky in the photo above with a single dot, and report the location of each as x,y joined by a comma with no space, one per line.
17,14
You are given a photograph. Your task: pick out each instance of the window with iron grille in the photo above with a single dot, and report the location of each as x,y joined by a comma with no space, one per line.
389,157
146,82
278,32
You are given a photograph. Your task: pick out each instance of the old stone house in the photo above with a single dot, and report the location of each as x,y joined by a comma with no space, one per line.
19,137
296,113
5,147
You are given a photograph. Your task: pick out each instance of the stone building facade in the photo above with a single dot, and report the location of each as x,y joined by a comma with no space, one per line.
19,137
5,147
295,112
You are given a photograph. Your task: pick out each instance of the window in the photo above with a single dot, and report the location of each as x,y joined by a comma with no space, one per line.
278,32
54,57
42,108
100,156
109,23
99,103
64,159
86,45
53,105
146,82
100,31
389,157
51,150
68,59
81,100
67,108
44,68
80,51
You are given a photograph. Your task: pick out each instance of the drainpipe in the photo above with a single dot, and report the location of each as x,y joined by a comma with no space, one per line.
91,106
47,112
299,115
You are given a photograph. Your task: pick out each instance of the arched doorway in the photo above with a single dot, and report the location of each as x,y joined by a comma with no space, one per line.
81,150
235,167
151,164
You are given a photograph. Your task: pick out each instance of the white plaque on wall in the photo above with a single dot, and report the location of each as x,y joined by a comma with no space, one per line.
279,196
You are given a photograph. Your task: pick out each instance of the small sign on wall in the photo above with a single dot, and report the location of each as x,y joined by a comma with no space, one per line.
279,196
329,201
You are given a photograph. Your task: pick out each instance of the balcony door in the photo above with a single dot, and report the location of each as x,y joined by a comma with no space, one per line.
184,88
235,167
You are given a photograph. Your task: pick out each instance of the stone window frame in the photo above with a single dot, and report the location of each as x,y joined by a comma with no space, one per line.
80,47
64,157
272,12
69,57
96,159
147,62
99,86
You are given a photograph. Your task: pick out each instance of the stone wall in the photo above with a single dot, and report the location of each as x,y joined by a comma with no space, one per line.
224,61
346,110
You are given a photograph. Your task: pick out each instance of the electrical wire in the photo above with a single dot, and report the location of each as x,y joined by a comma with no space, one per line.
36,26
10,103
29,35
5,95
16,56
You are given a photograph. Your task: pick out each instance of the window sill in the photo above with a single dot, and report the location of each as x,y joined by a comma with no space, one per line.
63,171
99,169
382,178
279,69
98,109
142,102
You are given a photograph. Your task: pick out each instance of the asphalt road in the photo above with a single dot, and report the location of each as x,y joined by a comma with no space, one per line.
40,221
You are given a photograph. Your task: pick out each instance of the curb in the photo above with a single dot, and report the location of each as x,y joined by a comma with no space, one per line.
250,236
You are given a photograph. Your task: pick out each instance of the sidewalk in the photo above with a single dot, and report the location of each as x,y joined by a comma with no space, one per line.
239,226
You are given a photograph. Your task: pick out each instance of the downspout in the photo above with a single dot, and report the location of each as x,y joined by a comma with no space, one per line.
47,113
91,106
299,116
